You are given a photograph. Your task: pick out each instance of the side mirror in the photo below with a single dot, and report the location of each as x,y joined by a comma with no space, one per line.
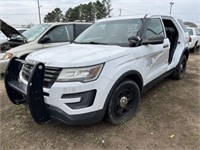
133,40
156,39
45,39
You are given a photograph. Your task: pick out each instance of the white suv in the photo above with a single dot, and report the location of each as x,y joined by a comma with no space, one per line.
194,41
36,38
103,73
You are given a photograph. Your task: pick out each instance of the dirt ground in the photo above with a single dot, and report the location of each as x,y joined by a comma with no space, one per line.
168,118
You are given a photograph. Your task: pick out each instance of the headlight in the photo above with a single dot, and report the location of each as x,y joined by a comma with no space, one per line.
86,74
6,56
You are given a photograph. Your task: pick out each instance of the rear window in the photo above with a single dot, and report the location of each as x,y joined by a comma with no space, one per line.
197,31
182,25
190,31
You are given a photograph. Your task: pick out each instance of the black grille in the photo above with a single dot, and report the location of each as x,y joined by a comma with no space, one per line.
50,76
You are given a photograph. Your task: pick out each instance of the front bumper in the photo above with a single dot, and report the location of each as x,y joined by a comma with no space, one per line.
74,103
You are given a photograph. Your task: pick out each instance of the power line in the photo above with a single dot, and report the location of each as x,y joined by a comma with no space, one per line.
120,12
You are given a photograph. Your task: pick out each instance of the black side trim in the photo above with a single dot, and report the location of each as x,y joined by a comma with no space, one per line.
82,119
155,81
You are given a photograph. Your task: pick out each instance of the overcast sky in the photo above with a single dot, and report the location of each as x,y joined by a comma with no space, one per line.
18,12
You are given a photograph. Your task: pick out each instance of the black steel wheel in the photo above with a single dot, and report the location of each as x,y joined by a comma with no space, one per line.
123,102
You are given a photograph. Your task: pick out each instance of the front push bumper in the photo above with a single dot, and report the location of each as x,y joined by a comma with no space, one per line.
32,95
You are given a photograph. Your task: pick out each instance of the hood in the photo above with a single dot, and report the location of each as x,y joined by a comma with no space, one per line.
9,31
77,55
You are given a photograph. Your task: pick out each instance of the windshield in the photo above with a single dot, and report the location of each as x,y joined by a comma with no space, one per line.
114,32
34,32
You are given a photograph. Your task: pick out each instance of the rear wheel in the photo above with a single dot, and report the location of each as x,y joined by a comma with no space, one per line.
181,68
195,47
123,102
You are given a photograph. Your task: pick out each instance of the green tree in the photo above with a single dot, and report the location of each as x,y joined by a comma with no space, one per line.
72,14
54,16
107,5
100,10
87,12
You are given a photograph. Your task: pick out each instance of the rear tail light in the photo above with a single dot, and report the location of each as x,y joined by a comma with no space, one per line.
190,39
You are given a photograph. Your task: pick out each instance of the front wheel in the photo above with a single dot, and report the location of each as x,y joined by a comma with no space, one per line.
123,102
181,68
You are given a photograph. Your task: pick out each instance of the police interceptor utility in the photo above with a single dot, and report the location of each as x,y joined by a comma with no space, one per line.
102,73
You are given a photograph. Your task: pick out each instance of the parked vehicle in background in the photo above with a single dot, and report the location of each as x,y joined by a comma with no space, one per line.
3,38
21,30
194,40
36,38
103,73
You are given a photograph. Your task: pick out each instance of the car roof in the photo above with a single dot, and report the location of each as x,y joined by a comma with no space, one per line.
65,23
192,27
136,16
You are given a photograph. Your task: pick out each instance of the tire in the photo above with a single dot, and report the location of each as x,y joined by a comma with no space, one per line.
195,47
179,73
123,102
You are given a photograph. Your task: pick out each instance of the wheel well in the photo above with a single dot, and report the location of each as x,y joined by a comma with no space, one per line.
186,53
137,79
131,75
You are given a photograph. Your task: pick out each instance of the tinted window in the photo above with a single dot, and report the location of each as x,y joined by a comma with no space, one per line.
58,34
154,28
79,28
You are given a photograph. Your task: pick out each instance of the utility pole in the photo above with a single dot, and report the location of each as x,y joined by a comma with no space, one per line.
39,11
120,12
171,4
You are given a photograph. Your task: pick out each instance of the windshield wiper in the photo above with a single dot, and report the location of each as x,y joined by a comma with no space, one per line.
92,42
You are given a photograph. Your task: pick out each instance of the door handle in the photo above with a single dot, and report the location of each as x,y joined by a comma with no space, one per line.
165,46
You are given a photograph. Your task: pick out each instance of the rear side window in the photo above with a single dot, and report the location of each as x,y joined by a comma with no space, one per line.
197,32
182,25
190,31
79,28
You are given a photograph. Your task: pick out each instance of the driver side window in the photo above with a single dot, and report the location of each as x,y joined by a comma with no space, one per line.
154,28
58,34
